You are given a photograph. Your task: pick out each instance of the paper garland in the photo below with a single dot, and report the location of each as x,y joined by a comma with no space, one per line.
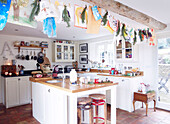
131,35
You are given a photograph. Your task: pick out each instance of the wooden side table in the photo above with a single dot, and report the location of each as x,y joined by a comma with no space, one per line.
138,96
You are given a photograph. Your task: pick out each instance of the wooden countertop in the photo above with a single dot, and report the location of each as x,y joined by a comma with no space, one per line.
118,75
107,74
81,72
71,88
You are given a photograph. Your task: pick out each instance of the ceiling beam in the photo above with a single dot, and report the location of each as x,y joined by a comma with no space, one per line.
128,12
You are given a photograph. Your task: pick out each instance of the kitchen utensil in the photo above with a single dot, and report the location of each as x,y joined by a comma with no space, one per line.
32,57
35,57
13,62
18,56
22,56
38,66
27,57
40,54
40,60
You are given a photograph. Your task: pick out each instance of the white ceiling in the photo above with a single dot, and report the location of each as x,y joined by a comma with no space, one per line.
156,8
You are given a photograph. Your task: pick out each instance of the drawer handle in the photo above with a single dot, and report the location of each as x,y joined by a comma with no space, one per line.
49,90
123,80
19,79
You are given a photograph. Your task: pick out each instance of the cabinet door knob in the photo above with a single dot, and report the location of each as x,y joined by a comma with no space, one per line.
123,80
49,90
19,79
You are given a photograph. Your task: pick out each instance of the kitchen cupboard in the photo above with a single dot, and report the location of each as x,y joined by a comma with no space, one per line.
126,51
125,90
63,52
38,100
47,103
16,91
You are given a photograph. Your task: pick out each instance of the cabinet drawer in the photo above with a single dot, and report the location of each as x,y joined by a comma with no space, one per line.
140,97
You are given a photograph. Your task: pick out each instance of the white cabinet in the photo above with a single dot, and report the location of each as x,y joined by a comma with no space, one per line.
16,91
49,105
126,51
125,89
38,101
12,92
24,90
63,52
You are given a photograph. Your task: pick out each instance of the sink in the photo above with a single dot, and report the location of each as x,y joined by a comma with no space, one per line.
53,81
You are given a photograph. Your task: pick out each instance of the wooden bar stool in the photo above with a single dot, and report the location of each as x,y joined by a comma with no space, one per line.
98,100
85,103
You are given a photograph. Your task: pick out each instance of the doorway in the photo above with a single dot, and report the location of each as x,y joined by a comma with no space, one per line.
164,73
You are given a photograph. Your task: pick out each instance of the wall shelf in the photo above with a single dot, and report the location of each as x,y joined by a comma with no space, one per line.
19,47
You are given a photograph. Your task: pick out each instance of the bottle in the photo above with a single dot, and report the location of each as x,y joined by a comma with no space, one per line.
73,76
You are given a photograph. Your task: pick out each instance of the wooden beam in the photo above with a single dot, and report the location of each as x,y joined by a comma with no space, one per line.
128,12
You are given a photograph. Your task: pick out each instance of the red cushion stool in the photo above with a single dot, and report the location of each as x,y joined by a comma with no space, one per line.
98,100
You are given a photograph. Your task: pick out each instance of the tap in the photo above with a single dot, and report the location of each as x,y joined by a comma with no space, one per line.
57,66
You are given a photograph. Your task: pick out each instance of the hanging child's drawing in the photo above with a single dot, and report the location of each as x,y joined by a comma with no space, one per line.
19,13
80,18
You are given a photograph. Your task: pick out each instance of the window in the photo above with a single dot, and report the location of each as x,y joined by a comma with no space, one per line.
105,51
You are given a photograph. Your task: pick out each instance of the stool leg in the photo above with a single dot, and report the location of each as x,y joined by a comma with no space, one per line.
154,105
79,115
105,112
146,109
142,104
91,115
134,105
96,109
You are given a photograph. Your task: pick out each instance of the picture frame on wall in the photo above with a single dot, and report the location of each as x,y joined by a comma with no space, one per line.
83,48
83,59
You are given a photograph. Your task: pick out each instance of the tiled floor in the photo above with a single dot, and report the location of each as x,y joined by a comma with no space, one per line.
23,115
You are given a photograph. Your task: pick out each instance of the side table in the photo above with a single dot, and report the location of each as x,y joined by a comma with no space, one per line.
139,96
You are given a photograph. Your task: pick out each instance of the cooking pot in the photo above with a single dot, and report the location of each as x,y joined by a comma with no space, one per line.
40,60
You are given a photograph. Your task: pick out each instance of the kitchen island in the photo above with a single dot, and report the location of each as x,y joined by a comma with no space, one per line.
57,102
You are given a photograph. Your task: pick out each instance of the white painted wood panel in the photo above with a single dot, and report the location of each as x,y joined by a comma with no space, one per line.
24,90
12,92
38,92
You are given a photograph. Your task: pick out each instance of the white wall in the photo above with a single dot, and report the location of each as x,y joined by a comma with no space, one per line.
31,64
146,59
91,48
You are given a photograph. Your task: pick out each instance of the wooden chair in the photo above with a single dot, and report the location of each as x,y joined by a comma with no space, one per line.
84,103
98,100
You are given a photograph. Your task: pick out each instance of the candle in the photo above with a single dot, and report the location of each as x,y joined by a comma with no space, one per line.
6,73
17,73
10,74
